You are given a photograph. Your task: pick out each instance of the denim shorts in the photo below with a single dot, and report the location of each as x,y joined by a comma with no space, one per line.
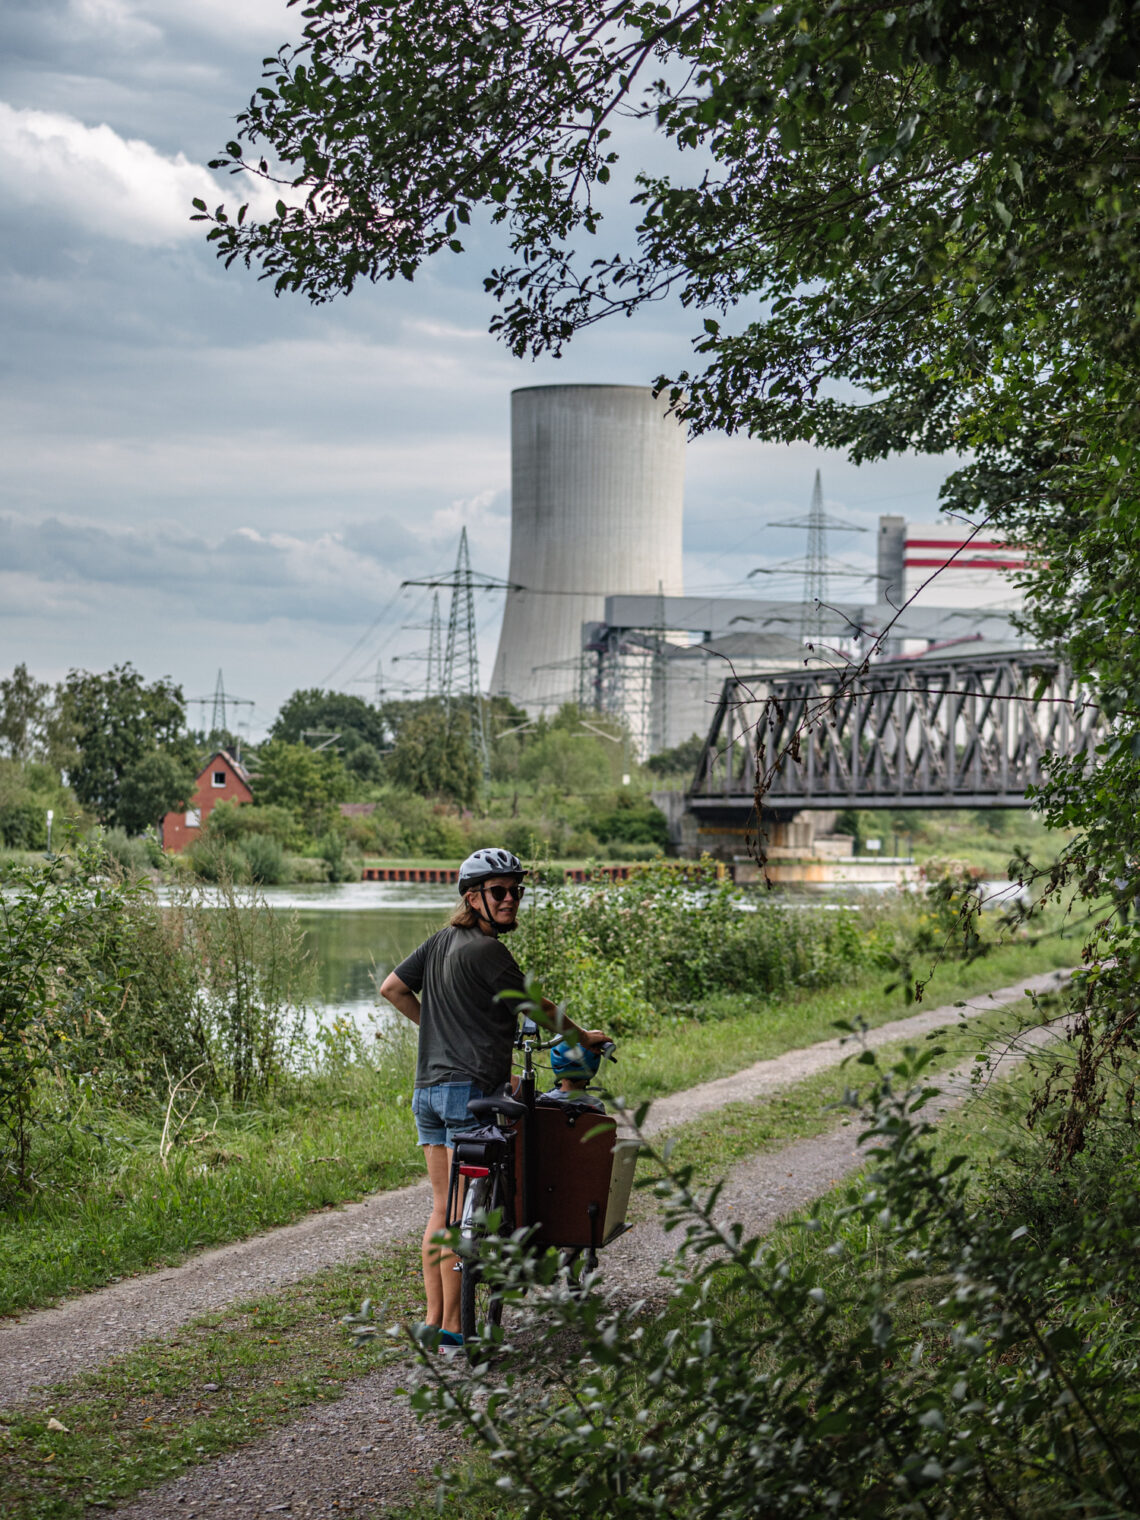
441,1111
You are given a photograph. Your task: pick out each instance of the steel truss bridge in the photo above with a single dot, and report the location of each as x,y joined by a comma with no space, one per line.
965,732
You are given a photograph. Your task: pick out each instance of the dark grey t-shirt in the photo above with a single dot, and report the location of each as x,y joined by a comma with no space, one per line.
465,1036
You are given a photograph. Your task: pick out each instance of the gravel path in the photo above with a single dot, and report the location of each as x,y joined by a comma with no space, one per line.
53,1345
365,1453
794,1065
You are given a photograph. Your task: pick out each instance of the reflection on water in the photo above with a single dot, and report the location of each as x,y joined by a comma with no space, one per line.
355,949
356,932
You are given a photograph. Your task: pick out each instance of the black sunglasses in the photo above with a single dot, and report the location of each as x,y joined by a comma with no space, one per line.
501,893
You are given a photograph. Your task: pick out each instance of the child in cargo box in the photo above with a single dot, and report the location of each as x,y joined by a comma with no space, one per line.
573,1065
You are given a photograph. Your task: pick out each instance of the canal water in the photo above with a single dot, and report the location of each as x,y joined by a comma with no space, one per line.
356,932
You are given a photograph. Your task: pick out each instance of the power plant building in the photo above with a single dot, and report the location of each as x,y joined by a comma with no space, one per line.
597,613
597,497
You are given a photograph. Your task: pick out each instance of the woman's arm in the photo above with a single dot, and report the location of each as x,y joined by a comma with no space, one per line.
401,997
558,1023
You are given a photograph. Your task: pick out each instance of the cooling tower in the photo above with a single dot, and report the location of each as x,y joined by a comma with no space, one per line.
597,486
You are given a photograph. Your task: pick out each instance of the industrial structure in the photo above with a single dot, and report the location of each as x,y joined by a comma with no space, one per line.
597,495
909,732
661,662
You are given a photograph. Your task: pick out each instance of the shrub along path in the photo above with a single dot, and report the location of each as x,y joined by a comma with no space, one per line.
56,1344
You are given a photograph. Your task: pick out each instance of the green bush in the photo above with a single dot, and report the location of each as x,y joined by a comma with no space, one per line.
332,851
570,762
134,856
618,849
406,825
23,826
211,860
631,820
233,823
112,1000
306,868
265,859
627,953
525,839
62,980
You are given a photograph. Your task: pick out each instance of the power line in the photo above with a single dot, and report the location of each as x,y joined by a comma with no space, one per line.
373,625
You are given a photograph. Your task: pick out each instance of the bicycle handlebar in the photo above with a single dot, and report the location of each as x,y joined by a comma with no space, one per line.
536,1043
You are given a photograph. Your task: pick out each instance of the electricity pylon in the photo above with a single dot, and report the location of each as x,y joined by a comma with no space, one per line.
435,650
219,702
817,568
433,655
463,650
460,674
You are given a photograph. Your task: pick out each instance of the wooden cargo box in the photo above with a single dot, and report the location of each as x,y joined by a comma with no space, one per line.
583,1176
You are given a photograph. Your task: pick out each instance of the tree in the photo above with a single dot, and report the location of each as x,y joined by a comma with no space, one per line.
156,784
307,782
433,755
118,720
571,762
24,709
682,757
332,712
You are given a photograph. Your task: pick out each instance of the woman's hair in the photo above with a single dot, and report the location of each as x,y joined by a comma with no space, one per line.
464,916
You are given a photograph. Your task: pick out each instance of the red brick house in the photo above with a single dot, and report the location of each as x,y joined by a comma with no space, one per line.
221,779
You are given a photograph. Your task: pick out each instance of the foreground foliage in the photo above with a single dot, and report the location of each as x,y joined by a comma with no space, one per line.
925,1352
665,943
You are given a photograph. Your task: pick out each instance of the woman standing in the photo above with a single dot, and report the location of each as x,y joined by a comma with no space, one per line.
449,988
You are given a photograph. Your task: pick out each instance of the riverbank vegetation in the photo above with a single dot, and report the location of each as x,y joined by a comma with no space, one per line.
165,1084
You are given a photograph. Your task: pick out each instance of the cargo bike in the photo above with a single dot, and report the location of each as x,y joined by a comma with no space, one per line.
559,1171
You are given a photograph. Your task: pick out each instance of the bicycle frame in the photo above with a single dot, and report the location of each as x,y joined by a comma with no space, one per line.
518,1106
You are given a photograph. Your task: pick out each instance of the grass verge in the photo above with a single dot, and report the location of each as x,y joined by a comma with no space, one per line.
736,1030
223,1381
719,1140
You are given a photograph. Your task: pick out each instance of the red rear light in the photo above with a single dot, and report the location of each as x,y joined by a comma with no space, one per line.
466,1170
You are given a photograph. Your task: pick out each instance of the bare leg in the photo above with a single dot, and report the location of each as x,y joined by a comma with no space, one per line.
441,1281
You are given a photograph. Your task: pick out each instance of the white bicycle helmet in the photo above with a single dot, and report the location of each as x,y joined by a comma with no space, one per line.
484,864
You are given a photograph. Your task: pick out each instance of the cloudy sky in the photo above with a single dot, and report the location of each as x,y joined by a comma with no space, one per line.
194,474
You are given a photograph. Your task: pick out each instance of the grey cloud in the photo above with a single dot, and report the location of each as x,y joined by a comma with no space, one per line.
251,576
383,540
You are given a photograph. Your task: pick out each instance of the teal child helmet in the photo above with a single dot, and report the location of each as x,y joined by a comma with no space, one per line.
575,1061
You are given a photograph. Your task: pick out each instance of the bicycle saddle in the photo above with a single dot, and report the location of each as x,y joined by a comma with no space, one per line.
484,1108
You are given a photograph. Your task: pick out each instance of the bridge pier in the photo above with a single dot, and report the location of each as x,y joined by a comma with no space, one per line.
789,833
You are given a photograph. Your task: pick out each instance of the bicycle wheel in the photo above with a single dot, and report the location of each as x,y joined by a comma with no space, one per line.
480,1304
